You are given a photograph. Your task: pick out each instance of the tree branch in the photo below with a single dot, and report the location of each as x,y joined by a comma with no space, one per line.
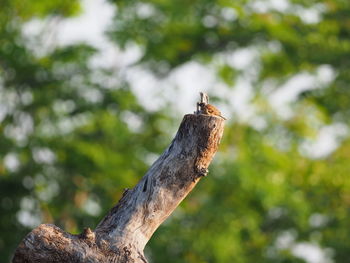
122,235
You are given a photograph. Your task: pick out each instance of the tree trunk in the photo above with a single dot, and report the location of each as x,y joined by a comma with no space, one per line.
122,235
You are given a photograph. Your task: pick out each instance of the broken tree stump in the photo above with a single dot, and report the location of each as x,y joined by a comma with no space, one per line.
123,233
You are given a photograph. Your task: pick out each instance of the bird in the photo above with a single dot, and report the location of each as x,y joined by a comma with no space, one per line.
209,109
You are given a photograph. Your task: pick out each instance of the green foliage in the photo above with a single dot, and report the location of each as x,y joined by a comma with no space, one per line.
75,141
68,136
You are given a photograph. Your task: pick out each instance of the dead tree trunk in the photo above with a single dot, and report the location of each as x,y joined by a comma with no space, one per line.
122,235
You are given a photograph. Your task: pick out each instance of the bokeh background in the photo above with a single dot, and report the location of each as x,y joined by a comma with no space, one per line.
92,91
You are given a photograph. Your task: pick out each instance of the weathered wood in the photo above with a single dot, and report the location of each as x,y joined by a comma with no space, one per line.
122,235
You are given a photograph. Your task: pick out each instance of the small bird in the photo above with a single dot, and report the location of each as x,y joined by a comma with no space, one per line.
209,109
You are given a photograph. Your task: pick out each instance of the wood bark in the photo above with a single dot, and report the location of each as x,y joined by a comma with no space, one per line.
123,233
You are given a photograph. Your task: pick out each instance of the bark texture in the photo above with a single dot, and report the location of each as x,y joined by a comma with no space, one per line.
123,233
